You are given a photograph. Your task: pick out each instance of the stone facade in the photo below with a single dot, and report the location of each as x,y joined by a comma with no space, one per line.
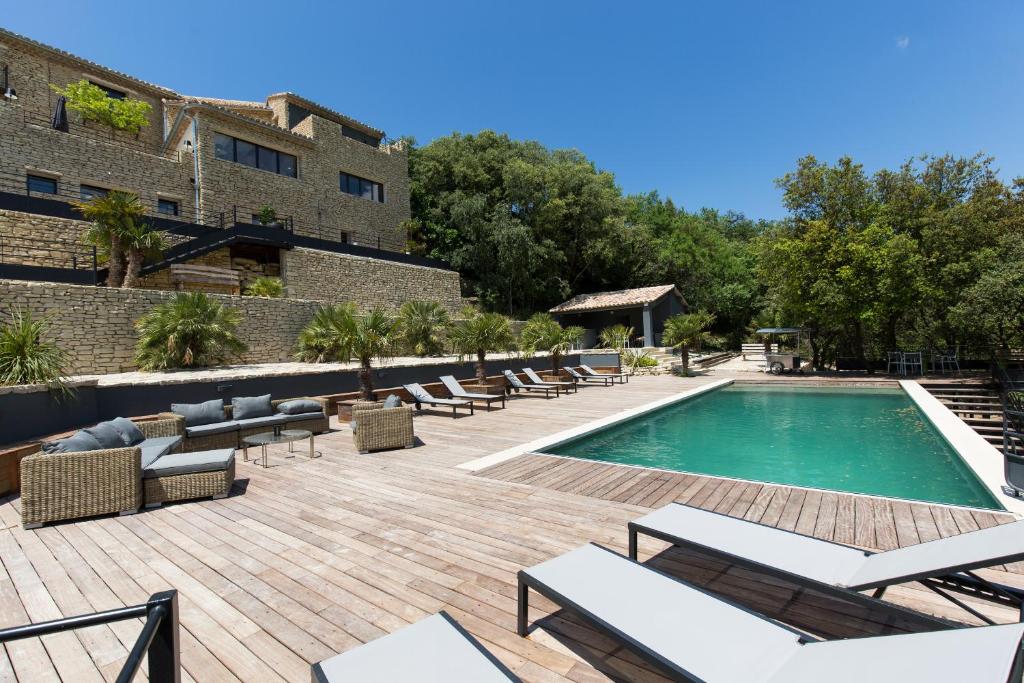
327,276
95,325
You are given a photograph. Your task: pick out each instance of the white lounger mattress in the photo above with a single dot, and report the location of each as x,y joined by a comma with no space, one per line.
709,639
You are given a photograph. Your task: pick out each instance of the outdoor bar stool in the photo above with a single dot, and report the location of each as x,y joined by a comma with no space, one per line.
896,360
912,363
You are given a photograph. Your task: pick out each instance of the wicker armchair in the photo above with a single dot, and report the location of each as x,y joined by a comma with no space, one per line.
379,428
57,486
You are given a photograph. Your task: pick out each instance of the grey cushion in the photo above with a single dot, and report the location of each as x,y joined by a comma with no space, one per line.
392,401
267,421
304,416
190,463
107,434
78,442
246,407
130,431
196,414
212,428
156,446
300,405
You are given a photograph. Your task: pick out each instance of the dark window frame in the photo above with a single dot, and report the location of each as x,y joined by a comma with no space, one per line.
31,178
346,181
112,93
92,191
259,151
161,203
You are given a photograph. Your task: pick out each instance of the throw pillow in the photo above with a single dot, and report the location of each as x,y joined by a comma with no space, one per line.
196,414
130,431
247,407
76,443
300,405
392,401
107,434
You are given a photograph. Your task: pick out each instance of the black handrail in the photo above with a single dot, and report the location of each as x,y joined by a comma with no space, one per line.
159,636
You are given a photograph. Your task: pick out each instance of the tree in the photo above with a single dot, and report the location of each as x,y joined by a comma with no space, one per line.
27,357
480,334
112,215
994,305
339,333
140,240
687,330
192,330
543,333
422,325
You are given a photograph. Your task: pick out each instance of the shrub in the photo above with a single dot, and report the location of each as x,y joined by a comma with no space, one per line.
267,287
615,337
635,359
92,103
190,331
322,340
267,215
26,357
422,325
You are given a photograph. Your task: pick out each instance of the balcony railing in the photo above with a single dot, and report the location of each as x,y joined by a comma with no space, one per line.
158,638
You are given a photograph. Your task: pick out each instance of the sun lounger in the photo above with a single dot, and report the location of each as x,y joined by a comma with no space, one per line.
621,376
537,379
696,636
606,380
433,650
456,390
421,396
942,565
518,384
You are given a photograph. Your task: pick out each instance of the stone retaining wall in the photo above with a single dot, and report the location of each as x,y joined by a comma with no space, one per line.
95,325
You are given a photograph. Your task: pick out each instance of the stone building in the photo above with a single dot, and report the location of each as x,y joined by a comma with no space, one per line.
282,187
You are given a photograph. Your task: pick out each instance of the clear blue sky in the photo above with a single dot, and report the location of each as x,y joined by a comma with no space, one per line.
705,103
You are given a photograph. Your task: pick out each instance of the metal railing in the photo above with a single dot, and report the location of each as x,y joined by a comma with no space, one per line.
49,253
158,639
1011,394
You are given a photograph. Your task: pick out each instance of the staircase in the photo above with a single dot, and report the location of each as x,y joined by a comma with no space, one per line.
974,402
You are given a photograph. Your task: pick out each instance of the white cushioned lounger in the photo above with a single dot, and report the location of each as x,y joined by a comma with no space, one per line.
700,637
433,650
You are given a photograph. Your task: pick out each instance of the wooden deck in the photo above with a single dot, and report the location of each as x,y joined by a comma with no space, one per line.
312,557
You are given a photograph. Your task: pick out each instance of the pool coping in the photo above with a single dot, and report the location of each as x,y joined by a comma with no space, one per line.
595,425
984,459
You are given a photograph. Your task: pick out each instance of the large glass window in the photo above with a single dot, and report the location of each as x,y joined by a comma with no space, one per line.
257,156
38,183
361,187
89,192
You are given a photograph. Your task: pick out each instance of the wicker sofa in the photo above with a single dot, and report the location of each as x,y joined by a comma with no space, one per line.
59,486
379,428
229,433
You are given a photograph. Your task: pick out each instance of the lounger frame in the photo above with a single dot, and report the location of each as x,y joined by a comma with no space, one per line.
472,397
418,402
623,377
531,387
540,381
577,376
955,579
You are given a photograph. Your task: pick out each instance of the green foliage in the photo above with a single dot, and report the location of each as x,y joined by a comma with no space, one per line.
616,337
634,359
543,333
266,287
116,218
325,337
190,331
422,326
479,335
687,331
26,357
141,241
267,215
92,103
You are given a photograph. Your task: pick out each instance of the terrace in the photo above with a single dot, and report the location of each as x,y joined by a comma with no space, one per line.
308,558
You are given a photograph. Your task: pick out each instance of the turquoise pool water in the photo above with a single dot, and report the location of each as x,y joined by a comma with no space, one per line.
872,441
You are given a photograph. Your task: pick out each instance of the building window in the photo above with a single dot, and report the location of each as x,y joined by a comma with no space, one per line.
89,192
256,156
112,93
38,183
360,136
361,187
167,207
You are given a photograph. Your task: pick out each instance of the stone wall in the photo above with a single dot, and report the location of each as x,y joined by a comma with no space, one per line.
326,276
95,325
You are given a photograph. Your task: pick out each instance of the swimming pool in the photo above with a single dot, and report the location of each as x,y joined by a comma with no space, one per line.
871,441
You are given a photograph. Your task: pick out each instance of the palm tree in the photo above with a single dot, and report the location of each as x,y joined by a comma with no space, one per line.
480,334
616,337
27,358
542,332
687,330
338,333
111,215
422,325
190,330
140,240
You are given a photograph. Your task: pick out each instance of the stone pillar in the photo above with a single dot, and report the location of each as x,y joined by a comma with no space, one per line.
648,326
